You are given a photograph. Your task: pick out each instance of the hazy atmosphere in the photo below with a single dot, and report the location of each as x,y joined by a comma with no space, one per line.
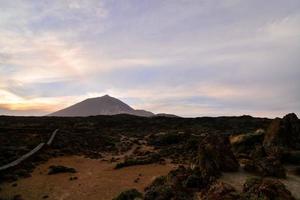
185,57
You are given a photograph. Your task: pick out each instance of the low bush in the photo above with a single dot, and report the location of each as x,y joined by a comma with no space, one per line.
144,160
60,169
131,194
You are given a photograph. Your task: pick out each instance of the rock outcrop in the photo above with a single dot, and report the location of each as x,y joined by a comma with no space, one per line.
263,164
215,155
284,133
266,188
221,191
244,143
178,184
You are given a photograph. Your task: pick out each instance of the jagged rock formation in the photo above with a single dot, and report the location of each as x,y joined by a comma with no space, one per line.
284,132
266,188
221,191
178,184
215,154
244,143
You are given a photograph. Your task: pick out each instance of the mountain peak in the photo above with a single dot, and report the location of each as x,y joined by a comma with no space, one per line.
104,105
101,97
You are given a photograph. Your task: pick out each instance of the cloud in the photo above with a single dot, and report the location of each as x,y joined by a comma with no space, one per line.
206,57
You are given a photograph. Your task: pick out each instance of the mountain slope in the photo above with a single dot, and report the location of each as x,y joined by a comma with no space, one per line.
105,105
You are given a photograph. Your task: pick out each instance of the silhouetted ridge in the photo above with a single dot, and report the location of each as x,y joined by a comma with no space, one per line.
105,105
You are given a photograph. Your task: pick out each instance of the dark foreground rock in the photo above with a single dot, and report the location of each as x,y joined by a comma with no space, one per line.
292,157
284,133
244,143
265,167
215,155
266,188
263,164
60,169
178,184
221,191
296,171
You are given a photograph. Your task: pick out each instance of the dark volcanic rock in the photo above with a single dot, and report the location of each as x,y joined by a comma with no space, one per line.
222,191
244,143
292,157
248,165
215,155
270,166
266,188
60,169
194,181
207,163
284,132
266,167
187,178
297,171
18,197
258,152
159,189
178,184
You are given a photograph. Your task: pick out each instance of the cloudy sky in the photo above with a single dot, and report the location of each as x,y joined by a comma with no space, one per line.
186,57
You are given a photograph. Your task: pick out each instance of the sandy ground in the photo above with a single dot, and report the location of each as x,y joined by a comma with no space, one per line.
237,179
97,180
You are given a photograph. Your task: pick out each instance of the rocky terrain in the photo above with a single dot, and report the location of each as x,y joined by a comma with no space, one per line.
184,158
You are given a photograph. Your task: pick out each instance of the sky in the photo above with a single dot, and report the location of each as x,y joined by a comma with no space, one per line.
185,57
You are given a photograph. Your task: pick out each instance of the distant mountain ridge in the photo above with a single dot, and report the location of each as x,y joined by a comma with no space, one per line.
105,105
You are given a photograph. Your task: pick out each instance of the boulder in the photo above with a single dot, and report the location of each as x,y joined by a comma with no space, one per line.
292,157
221,191
159,189
215,155
193,181
178,184
296,171
283,133
187,178
258,152
244,143
248,165
270,166
266,167
266,188
206,162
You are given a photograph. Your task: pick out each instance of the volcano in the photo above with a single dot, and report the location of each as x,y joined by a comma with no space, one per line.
105,105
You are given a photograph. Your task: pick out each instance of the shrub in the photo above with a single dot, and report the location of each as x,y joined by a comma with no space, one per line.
131,194
193,181
166,139
144,160
60,169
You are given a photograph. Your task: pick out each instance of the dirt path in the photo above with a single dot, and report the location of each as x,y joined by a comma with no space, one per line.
96,180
